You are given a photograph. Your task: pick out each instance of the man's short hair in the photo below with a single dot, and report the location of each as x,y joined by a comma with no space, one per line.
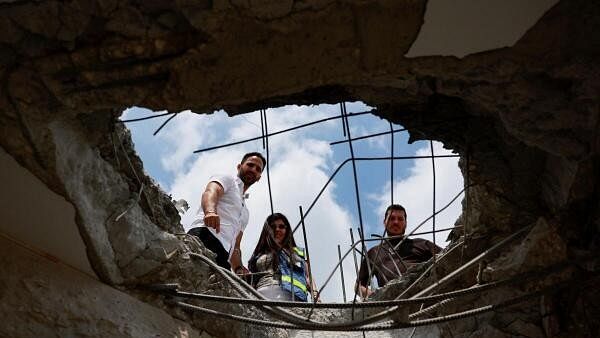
393,207
257,154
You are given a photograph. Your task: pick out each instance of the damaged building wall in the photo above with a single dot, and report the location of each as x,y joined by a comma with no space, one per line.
48,287
44,298
524,119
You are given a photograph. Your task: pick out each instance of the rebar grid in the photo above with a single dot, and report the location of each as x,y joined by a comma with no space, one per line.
369,324
344,116
292,320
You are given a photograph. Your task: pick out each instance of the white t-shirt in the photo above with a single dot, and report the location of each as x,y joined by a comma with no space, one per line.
231,208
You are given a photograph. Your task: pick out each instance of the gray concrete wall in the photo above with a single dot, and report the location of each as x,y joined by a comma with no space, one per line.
40,297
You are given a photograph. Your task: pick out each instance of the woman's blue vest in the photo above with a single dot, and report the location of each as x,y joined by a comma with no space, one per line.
293,277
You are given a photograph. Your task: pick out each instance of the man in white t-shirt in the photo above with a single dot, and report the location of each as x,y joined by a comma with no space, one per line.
223,216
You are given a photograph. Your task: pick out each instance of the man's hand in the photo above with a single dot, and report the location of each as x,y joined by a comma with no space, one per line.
242,271
363,291
211,219
315,296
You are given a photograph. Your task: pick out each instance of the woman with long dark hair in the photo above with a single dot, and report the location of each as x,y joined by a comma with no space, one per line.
279,267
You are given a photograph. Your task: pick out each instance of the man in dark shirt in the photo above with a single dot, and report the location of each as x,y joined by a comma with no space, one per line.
389,261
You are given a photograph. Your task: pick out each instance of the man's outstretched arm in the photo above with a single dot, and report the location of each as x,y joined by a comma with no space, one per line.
210,198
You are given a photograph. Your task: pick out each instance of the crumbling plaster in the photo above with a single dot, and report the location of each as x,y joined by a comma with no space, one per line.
523,118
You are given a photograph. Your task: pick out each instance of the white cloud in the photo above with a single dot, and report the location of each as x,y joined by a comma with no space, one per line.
132,112
415,192
184,134
380,143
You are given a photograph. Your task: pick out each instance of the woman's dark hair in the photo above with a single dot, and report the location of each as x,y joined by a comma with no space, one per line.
267,244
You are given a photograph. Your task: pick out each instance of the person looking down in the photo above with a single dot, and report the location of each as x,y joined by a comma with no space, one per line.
279,267
390,259
222,217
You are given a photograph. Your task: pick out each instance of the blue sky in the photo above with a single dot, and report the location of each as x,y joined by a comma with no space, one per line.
301,162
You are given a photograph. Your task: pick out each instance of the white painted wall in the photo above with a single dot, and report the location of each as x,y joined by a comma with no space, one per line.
34,216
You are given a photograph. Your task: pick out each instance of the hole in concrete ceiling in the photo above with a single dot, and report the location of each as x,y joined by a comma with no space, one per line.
301,163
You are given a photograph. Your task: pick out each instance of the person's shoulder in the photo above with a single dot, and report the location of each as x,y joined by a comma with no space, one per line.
417,241
223,179
424,243
374,249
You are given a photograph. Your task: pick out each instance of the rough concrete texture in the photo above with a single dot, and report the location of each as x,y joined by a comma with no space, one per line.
524,120
53,300
542,247
422,332
347,315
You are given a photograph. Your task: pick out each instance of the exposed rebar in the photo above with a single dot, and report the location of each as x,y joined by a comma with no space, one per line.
164,124
144,118
280,132
341,165
266,141
342,273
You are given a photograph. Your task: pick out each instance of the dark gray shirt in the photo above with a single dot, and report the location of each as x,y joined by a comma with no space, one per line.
388,264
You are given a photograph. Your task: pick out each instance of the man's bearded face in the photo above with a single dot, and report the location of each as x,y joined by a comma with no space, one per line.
250,170
395,223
